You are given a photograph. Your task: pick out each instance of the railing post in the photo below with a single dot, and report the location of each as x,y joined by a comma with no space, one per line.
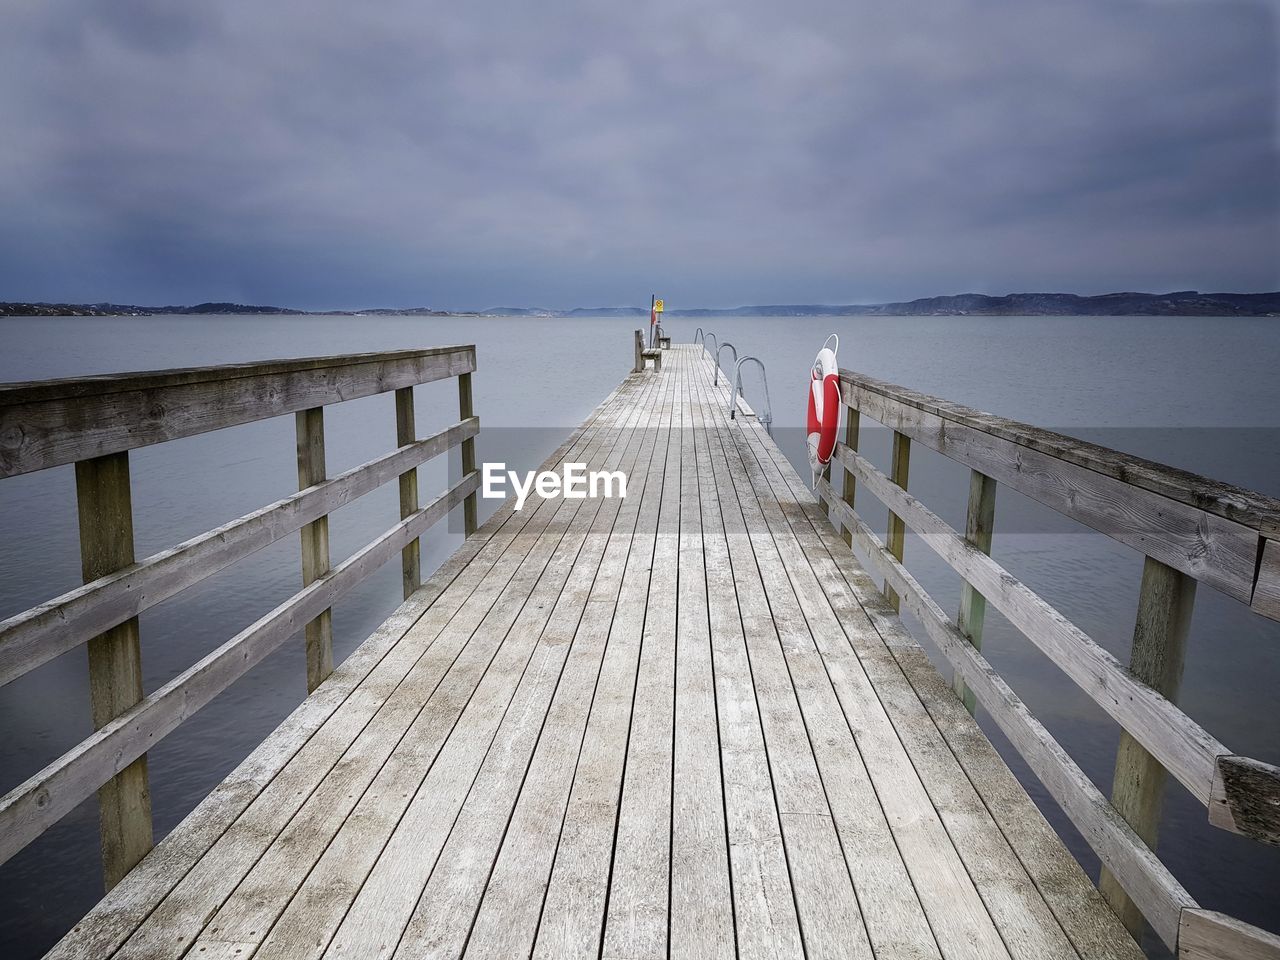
1156,657
406,433
897,528
115,659
639,368
852,424
979,523
315,544
466,410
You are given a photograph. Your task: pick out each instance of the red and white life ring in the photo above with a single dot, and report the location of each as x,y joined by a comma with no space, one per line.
824,406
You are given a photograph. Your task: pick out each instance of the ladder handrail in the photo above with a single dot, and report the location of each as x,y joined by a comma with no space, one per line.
767,419
720,346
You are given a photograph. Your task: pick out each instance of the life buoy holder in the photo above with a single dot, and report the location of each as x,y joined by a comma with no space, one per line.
824,405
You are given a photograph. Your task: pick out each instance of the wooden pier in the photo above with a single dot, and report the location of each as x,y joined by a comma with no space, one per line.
683,723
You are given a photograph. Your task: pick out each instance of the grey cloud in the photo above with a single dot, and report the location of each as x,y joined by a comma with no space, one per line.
336,154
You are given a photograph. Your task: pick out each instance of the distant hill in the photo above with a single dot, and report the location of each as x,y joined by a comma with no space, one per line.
1186,303
130,310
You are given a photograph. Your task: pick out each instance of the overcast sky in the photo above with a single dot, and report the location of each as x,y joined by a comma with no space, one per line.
470,154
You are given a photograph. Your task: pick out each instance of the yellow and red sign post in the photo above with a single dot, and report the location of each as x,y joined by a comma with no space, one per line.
655,308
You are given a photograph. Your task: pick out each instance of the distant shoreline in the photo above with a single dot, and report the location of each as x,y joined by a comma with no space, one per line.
1179,303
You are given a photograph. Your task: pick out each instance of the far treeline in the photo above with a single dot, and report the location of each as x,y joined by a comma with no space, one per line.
1182,303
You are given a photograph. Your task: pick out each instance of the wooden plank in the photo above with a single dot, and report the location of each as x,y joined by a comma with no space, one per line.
404,785
901,465
825,669
852,426
315,544
637,906
702,923
1143,876
411,715
105,508
1266,591
1184,748
390,892
1247,507
36,636
503,890
46,424
1015,906
851,890
979,526
1209,935
764,911
869,683
406,434
1246,798
269,779
1214,550
577,888
466,409
31,807
1156,657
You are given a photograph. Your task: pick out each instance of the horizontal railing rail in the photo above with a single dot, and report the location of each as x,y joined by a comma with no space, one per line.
93,422
48,630
1190,529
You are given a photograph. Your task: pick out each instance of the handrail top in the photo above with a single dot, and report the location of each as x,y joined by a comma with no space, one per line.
37,391
1240,504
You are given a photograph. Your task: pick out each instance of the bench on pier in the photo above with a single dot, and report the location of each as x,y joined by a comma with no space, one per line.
644,354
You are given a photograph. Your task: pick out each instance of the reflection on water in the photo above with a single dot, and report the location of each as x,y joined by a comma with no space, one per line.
1197,393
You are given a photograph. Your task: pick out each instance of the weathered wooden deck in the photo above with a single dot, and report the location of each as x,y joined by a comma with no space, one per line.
685,723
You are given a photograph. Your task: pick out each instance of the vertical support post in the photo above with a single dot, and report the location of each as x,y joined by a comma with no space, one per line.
406,433
979,524
897,528
115,659
639,367
1156,658
315,544
852,425
465,410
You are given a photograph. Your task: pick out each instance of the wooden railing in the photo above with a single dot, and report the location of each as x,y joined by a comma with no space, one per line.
93,422
1190,529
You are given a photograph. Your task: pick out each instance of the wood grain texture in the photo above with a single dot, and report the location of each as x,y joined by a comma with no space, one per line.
1209,935
47,630
315,544
669,725
1246,798
1181,745
1144,878
896,539
1266,591
406,434
979,526
46,424
466,410
105,510
1208,546
288,764
852,428
1247,507
30,808
1165,603
1076,904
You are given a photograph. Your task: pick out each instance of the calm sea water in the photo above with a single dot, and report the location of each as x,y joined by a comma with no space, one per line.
1199,393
